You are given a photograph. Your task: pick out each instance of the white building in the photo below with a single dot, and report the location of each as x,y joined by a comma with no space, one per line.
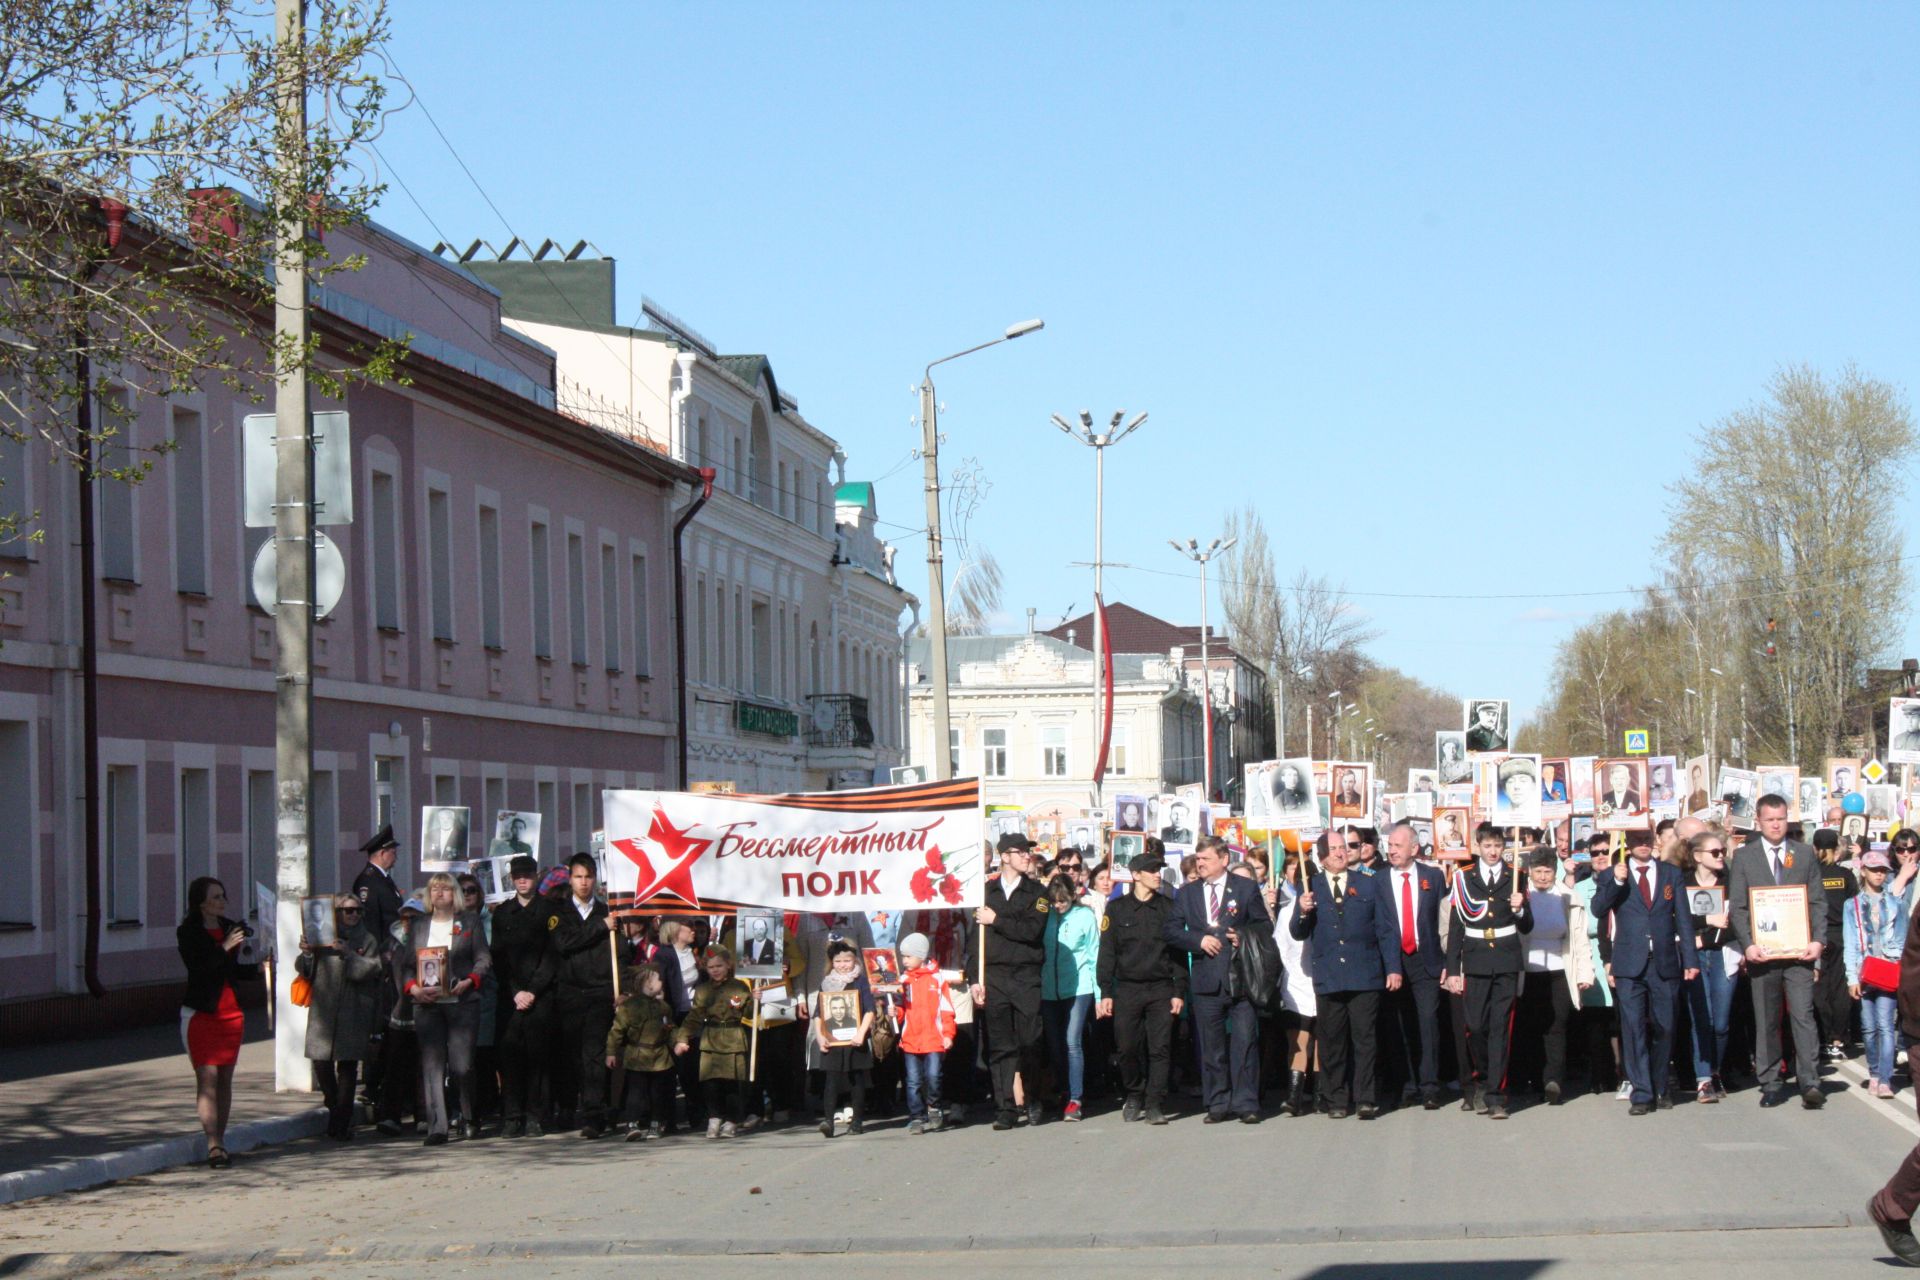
1022,716
793,614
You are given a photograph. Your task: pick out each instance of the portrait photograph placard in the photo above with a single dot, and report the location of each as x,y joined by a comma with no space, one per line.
515,831
1813,799
443,843
430,969
1423,780
1739,790
1706,899
1781,780
1663,787
1127,845
1842,774
1580,782
1291,799
761,943
317,927
1179,823
1779,913
1696,782
1516,797
1129,813
1903,731
1554,789
486,874
1620,794
1451,833
883,970
839,1013
906,775
1351,795
1419,804
1883,803
1450,757
1486,724
1232,830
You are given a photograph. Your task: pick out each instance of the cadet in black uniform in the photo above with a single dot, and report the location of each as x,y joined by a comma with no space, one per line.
523,968
582,947
1484,952
1142,988
380,902
1008,995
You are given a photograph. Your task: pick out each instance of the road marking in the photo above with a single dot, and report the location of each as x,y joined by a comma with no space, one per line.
1880,1106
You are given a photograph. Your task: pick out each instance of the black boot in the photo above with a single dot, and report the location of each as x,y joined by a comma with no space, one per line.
1299,1102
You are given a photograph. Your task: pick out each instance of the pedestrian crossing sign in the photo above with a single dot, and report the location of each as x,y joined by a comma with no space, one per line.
1636,742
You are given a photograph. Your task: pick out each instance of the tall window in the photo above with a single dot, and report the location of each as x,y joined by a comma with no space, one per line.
122,828
325,816
993,753
541,579
262,866
953,752
16,497
740,671
583,817
446,791
577,597
1053,750
19,847
544,804
389,791
701,631
490,578
642,632
118,559
609,607
762,649
493,794
194,828
384,537
440,560
1117,750
188,463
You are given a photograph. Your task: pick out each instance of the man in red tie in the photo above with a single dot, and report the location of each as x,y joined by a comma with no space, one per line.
1653,953
1410,1027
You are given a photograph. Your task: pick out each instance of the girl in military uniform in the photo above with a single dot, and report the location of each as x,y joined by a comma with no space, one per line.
642,1041
718,1017
842,1065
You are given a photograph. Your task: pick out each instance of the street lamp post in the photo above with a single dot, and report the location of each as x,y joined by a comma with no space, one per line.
1193,552
1099,441
936,571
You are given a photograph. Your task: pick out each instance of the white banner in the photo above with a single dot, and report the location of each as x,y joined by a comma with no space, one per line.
883,848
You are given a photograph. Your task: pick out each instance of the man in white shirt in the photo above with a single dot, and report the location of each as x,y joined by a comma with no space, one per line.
1410,1022
1780,978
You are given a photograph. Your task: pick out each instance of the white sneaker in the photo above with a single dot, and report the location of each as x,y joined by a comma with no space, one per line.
844,1115
713,1127
1625,1092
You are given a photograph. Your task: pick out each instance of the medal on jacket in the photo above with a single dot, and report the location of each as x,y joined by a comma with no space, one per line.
1667,893
1786,859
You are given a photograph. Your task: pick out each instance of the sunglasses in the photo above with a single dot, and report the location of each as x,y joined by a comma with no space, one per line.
1715,850
349,911
1354,848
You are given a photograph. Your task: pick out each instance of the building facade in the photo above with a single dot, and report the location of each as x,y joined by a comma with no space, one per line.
793,613
504,639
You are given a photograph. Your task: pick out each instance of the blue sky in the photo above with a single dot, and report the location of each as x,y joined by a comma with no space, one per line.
1443,291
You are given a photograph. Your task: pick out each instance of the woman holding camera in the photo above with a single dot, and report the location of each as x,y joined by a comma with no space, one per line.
211,1021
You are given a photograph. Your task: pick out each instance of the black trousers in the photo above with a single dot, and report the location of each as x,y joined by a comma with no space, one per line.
1489,1001
1229,1034
1410,1035
1345,1026
1540,1032
336,1087
1832,1002
522,1046
400,1075
1143,1036
1011,1020
586,1015
649,1097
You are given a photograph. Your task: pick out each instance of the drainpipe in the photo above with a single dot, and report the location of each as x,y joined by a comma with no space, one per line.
680,615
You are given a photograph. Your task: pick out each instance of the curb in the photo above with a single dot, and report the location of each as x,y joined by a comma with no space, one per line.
151,1157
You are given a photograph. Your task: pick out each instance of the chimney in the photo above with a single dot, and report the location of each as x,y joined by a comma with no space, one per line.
1030,613
1070,635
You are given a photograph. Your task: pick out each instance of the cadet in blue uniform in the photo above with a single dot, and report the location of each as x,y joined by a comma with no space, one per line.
1347,921
1484,957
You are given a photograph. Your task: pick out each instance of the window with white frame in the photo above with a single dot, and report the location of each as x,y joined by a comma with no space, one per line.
263,847
540,578
642,629
189,467
490,612
609,607
1117,752
1053,750
440,561
119,559
122,828
953,752
383,537
577,598
762,680
993,753
193,829
389,790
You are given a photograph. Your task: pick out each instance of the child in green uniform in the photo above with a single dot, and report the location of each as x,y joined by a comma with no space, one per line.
718,1017
642,1041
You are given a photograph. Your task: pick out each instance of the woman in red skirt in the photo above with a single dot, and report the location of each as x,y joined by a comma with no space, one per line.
211,1021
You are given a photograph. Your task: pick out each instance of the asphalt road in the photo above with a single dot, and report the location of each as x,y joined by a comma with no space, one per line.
1571,1191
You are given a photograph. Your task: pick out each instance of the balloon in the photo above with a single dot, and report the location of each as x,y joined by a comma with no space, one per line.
1853,802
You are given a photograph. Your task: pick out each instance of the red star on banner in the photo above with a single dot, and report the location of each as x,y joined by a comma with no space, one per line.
679,851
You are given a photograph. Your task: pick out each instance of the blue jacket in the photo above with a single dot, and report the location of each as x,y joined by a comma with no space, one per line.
1241,907
1648,941
1857,923
1355,940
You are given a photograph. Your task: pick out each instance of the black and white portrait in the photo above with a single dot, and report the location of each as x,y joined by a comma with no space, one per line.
515,832
840,1014
762,944
1706,900
317,922
1739,790
1127,845
1780,780
1291,802
1083,833
1486,725
1130,813
1813,797
1903,731
1005,820
1422,780
443,842
1883,801
903,775
1450,757
1178,817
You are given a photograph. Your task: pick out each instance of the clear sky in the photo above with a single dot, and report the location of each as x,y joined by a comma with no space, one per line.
1443,291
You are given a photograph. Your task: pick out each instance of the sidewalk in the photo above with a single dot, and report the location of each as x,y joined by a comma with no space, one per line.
83,1112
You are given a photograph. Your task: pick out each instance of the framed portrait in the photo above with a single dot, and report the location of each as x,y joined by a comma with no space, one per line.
1351,796
1853,826
1813,799
1842,774
1396,804
1082,833
839,1013
760,943
1486,725
1179,821
1422,780
1739,790
1450,756
883,969
1256,790
1779,913
1580,782
515,831
486,874
1127,845
1620,794
1292,799
317,927
1554,788
1232,830
1695,783
1516,796
1579,830
430,969
907,775
1883,803
1194,793
443,843
1781,780
1452,836
1663,789
1130,813
1005,820
1706,899
1043,827
1903,731
502,878
1419,805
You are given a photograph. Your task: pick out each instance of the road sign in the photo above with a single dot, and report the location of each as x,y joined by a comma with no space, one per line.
332,471
329,575
1873,771
1636,742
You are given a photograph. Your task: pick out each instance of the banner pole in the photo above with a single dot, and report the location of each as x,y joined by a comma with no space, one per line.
753,1044
613,956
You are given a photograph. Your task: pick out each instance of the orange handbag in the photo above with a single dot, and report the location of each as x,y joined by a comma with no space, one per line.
301,992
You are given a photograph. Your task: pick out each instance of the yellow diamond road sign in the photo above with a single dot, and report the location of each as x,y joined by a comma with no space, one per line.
1873,771
1636,742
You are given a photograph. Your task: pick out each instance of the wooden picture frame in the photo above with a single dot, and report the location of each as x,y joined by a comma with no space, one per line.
883,969
430,969
1779,918
839,1013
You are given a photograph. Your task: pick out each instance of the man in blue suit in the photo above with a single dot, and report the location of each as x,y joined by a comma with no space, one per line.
1207,919
1653,953
1410,1047
1350,931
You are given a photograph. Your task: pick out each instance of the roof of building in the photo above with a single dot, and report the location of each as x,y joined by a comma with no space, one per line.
856,493
1131,630
551,291
961,650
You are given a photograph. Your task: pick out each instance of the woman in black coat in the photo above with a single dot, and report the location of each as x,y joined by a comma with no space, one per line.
211,1021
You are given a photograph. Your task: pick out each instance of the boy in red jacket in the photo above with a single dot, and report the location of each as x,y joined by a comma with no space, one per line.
927,1032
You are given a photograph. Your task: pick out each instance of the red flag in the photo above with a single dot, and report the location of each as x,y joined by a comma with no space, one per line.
1106,711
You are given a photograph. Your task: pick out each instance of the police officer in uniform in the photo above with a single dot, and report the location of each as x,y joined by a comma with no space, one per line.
1484,958
582,947
1143,984
523,968
1008,993
380,902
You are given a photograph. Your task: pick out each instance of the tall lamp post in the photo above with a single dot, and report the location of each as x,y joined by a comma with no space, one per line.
1193,552
1099,441
936,572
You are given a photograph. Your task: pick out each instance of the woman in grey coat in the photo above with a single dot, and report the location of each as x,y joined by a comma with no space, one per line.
345,977
446,999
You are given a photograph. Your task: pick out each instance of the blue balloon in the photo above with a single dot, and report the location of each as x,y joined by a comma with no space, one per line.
1853,802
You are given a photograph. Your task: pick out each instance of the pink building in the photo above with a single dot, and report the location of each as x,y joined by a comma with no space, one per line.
504,642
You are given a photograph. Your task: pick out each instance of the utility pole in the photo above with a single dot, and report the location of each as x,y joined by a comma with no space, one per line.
1193,552
293,539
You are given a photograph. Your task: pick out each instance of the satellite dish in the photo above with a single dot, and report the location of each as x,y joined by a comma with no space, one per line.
329,575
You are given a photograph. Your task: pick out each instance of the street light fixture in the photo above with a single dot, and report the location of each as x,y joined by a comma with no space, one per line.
936,569
1193,552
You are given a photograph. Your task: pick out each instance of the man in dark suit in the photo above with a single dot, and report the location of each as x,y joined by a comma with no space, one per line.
1411,1027
523,972
1484,957
1653,953
1772,859
1351,930
1007,992
1206,922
